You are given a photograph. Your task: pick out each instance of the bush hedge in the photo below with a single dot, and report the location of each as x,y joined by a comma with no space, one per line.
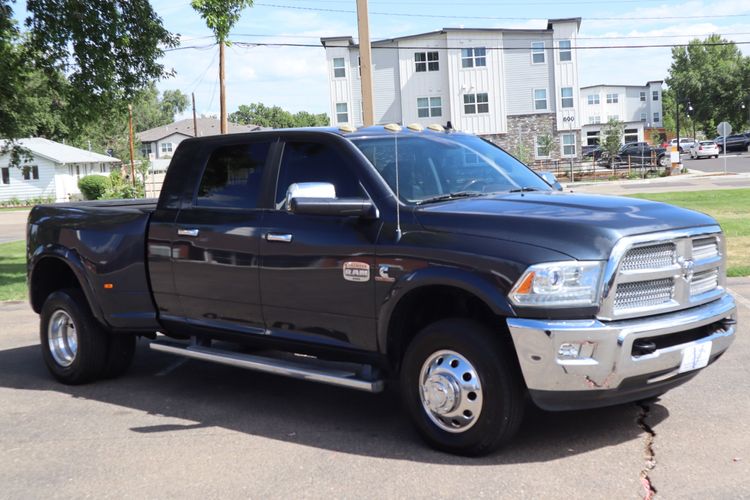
93,187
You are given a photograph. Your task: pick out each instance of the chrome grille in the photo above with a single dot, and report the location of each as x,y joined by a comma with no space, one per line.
663,272
704,282
705,248
649,257
642,294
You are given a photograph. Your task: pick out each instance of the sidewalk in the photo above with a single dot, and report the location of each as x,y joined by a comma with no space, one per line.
694,181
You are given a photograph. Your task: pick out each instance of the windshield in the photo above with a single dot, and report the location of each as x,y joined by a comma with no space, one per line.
432,166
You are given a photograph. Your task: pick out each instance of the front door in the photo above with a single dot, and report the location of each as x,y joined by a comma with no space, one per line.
317,277
215,252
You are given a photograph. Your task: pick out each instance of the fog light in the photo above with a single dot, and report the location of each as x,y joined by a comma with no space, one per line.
569,351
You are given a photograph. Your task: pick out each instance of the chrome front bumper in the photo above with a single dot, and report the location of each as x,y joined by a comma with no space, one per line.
605,370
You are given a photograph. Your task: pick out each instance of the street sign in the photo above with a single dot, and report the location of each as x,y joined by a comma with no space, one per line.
724,129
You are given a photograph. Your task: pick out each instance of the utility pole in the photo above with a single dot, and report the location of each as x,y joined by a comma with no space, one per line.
365,55
195,120
132,152
222,89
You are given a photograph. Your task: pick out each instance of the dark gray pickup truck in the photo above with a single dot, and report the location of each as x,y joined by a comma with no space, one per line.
358,257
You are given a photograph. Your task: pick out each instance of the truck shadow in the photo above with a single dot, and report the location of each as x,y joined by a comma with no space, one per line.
309,414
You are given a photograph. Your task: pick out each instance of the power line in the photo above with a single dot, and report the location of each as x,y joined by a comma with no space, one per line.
437,16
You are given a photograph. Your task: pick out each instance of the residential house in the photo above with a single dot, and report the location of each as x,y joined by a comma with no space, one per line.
52,171
513,86
639,107
161,142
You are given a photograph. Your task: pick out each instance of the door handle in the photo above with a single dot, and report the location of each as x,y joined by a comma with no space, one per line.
280,238
188,232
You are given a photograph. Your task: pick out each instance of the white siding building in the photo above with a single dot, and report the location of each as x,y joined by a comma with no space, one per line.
639,107
512,86
52,172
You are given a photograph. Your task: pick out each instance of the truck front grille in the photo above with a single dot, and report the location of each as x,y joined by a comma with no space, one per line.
662,273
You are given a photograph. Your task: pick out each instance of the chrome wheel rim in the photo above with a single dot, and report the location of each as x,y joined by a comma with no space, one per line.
450,391
62,337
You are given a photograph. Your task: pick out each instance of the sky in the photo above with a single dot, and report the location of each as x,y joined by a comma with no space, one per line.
295,77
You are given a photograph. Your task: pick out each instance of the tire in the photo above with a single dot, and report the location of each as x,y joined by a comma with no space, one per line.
663,161
493,391
72,357
120,353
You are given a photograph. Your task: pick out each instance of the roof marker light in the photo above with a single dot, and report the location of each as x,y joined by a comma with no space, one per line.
416,127
436,127
393,127
347,128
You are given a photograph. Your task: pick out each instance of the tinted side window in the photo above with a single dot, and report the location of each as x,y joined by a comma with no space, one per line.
232,176
315,162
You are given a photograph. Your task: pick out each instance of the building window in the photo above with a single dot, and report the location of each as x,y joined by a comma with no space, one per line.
426,61
146,149
655,95
592,138
30,172
539,146
656,117
613,117
612,98
342,112
476,103
567,97
537,52
565,51
593,98
643,117
595,119
359,66
6,175
643,97
166,147
540,99
569,144
630,135
475,57
428,107
339,67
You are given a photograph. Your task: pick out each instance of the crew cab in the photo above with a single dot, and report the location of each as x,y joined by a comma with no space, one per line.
427,258
642,153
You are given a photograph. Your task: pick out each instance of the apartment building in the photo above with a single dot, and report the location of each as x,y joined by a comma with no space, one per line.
516,87
639,107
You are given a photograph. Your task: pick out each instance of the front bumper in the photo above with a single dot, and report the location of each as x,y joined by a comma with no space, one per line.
607,370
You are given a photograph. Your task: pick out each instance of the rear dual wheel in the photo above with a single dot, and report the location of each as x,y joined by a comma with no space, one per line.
462,388
75,347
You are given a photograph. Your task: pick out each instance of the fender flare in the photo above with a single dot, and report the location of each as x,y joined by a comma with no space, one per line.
492,294
72,260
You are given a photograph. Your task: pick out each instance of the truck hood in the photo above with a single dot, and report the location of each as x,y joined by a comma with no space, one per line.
581,226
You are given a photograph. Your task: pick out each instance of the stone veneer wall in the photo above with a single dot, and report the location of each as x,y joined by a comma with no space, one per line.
522,129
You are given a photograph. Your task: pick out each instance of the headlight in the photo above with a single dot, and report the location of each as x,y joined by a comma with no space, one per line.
558,284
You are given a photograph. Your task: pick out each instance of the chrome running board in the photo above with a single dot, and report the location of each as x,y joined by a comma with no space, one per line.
289,368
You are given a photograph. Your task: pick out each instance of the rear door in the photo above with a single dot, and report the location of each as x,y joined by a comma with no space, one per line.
215,251
316,276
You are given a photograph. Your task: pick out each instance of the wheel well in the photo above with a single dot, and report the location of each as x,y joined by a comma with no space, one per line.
427,305
50,274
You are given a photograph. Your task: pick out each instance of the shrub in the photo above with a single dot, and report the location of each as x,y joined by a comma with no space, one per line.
93,187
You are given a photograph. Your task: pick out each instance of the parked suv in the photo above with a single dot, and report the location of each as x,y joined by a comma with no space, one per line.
737,142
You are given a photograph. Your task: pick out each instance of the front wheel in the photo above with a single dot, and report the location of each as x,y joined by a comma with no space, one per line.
663,161
462,387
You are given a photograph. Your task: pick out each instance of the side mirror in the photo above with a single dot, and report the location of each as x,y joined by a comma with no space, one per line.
322,190
550,179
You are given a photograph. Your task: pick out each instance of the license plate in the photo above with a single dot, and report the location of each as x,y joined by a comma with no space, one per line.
695,357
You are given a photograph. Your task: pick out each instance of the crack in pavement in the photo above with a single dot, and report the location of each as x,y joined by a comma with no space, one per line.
649,491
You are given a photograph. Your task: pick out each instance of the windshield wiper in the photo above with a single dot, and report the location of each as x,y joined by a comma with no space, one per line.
451,196
524,189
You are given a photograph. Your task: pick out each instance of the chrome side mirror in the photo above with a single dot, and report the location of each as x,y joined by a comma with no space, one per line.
550,179
320,190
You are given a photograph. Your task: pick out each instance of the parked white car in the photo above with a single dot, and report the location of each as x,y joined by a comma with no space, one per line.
704,149
685,143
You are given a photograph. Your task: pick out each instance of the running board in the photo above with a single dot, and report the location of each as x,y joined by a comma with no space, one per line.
285,367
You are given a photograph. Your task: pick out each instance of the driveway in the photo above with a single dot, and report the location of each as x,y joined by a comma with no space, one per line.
13,225
188,429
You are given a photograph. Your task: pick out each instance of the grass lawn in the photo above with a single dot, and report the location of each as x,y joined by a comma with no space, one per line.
13,270
731,208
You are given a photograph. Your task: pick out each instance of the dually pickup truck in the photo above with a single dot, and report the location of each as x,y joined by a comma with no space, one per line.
423,256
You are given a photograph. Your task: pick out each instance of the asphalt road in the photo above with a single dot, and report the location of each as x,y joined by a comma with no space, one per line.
736,163
187,429
13,225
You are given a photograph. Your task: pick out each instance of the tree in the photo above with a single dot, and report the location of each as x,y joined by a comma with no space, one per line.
611,137
546,143
220,17
276,117
714,77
